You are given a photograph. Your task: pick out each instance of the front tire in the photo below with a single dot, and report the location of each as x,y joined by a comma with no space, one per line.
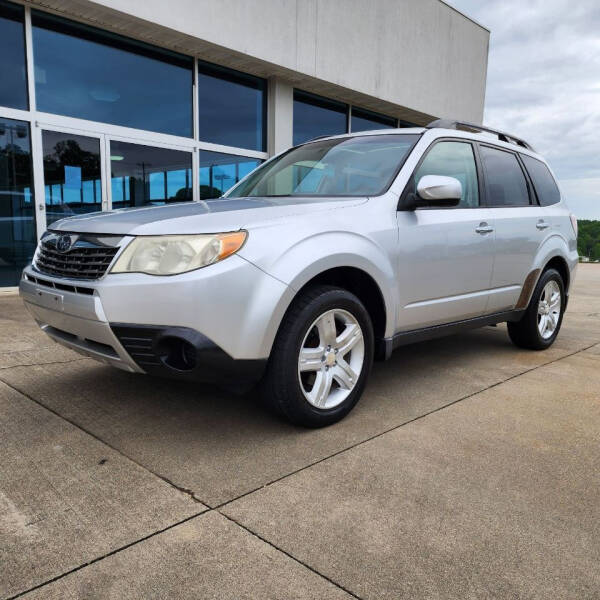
541,322
321,358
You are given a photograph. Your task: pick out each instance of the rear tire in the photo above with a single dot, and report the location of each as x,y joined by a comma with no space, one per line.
321,358
541,322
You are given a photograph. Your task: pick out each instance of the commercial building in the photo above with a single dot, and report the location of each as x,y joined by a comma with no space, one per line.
116,103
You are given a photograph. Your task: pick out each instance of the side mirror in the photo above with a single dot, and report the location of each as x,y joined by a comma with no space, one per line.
438,190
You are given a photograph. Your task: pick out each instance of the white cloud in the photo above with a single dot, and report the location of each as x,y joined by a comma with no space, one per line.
544,85
583,196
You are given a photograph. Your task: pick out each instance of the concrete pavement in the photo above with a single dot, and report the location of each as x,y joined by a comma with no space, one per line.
468,470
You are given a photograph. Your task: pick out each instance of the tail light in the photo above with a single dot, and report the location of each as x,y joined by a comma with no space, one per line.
573,222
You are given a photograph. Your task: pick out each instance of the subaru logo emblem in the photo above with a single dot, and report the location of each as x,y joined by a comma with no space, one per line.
63,243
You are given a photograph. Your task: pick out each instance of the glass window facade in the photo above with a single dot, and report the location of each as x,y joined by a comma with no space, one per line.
315,116
95,82
364,120
17,206
231,108
90,74
13,72
72,182
219,172
145,175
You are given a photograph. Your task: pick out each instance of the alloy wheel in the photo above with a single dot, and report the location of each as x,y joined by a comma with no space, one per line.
548,313
331,358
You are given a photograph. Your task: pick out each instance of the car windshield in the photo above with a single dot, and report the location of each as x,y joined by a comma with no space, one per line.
351,166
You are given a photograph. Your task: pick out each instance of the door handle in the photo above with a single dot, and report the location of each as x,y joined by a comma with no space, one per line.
542,225
484,228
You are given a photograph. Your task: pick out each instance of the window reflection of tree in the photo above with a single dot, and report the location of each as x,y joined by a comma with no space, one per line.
208,192
68,153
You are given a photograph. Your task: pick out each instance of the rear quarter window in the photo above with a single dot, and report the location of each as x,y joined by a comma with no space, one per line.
545,187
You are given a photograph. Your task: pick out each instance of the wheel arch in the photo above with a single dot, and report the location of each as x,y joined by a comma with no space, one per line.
363,286
560,264
554,261
354,280
346,259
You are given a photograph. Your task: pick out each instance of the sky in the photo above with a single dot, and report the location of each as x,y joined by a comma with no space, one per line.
543,85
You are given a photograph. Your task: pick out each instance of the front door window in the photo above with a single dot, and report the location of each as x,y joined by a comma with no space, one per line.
453,159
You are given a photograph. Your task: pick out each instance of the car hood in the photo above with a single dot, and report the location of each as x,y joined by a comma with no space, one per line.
211,216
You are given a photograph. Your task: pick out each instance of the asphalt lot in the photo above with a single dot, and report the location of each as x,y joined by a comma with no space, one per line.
468,470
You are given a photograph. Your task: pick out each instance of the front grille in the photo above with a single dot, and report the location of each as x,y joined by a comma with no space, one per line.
81,262
60,286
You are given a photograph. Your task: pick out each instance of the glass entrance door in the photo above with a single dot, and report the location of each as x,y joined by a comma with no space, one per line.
72,174
137,174
144,175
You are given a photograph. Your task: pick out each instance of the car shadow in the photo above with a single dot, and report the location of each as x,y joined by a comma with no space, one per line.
222,445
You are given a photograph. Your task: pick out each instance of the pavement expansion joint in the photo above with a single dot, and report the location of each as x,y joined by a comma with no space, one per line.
181,489
108,554
291,556
417,418
209,509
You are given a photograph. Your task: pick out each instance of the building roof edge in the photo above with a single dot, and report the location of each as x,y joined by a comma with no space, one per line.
460,12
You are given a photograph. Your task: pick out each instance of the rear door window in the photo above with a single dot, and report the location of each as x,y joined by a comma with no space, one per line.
545,187
505,181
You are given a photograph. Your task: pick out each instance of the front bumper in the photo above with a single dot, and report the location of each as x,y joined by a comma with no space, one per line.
74,319
215,324
183,353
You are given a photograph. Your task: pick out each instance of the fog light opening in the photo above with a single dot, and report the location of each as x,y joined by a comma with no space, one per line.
177,353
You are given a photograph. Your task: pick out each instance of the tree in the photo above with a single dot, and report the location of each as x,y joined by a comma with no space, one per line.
588,241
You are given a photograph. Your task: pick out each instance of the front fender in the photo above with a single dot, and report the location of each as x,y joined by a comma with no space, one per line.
308,257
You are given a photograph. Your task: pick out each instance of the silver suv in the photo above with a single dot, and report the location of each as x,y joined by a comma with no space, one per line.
327,256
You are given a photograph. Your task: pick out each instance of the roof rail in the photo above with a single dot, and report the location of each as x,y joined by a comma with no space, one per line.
463,125
321,137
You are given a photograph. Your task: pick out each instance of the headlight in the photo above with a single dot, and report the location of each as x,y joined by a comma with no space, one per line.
172,254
